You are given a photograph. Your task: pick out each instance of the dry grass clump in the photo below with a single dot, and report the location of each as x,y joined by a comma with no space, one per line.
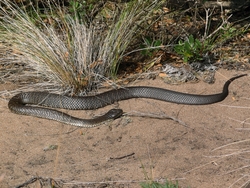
61,52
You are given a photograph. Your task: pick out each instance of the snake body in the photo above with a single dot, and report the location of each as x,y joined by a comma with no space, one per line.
21,103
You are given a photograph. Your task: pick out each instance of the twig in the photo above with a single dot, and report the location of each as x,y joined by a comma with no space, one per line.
224,22
237,169
247,140
156,116
30,181
242,129
245,185
50,181
230,106
207,21
148,48
122,157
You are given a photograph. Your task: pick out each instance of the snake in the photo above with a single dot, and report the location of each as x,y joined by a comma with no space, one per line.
29,103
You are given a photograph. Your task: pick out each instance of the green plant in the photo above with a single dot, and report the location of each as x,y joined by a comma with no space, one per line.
224,30
226,33
149,46
229,33
152,184
77,8
167,184
191,49
80,9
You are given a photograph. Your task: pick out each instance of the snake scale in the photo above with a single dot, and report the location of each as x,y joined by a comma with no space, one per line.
23,103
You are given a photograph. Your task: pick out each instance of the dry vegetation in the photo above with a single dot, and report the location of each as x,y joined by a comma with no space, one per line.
74,48
62,52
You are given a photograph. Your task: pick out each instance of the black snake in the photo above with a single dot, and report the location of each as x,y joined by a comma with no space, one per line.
22,102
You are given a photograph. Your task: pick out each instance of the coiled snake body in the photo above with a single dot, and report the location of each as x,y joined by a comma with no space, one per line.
21,102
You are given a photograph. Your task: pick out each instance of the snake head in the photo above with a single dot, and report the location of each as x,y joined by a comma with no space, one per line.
114,113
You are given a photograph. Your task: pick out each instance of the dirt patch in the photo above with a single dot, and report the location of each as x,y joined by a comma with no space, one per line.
131,149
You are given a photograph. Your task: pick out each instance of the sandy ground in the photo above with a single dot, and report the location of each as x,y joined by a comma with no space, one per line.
208,148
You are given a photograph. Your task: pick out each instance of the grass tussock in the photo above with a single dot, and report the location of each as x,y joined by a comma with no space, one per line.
62,53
